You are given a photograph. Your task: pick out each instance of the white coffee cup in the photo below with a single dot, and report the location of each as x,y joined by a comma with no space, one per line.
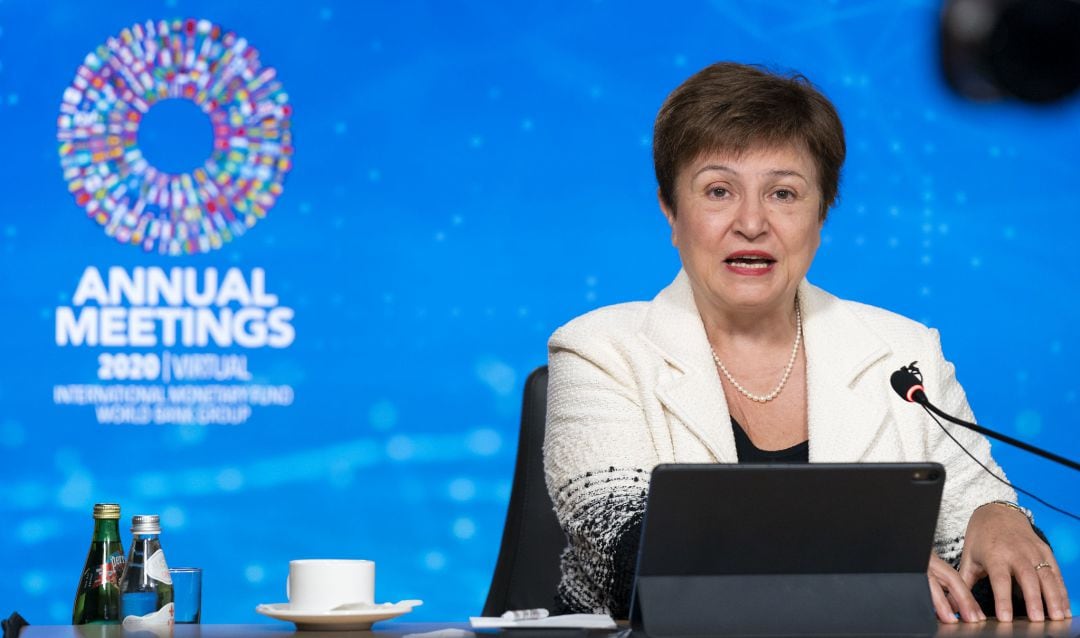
322,584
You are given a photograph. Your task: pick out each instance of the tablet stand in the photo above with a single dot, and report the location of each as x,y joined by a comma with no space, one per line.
783,604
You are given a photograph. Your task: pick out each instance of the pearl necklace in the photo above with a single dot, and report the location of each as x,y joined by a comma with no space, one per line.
787,371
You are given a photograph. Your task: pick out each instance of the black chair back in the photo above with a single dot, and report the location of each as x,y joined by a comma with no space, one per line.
13,624
527,572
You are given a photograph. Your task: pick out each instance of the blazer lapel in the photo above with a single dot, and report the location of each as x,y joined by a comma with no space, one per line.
692,392
845,412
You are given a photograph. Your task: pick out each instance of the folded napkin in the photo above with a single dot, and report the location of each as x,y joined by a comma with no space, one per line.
567,621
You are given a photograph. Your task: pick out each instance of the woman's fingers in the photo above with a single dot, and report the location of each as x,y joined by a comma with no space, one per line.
1031,588
1040,583
1001,583
942,606
955,591
1053,588
965,603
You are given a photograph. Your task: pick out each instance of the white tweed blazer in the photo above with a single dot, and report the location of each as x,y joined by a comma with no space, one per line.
634,385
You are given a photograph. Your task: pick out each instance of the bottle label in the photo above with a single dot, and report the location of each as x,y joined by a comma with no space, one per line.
157,569
106,573
163,616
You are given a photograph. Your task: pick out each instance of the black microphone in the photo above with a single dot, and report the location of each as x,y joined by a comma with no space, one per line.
907,382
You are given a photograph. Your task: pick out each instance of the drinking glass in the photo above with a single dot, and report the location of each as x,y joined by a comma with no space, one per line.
187,594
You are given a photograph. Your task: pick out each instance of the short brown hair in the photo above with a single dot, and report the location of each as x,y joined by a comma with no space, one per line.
729,107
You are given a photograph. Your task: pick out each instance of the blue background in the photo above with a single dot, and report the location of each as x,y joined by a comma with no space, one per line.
468,176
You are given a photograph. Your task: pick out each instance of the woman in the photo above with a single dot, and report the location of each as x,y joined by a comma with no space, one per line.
740,359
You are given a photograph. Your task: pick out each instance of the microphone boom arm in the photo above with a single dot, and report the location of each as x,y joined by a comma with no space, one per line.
1001,437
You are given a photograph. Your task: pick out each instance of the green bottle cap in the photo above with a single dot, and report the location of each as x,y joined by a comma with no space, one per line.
107,511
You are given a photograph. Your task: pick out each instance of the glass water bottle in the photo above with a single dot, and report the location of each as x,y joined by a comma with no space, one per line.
97,600
146,593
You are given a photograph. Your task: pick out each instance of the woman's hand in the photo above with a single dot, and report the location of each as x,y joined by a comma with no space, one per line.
1001,544
951,595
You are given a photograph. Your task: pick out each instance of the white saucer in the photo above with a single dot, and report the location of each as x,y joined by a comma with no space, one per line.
344,620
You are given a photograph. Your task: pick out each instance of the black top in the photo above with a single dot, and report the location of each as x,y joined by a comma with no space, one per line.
749,453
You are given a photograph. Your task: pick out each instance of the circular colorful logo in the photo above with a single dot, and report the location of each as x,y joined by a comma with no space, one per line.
175,213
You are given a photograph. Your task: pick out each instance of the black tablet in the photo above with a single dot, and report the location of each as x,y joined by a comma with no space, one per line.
773,549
